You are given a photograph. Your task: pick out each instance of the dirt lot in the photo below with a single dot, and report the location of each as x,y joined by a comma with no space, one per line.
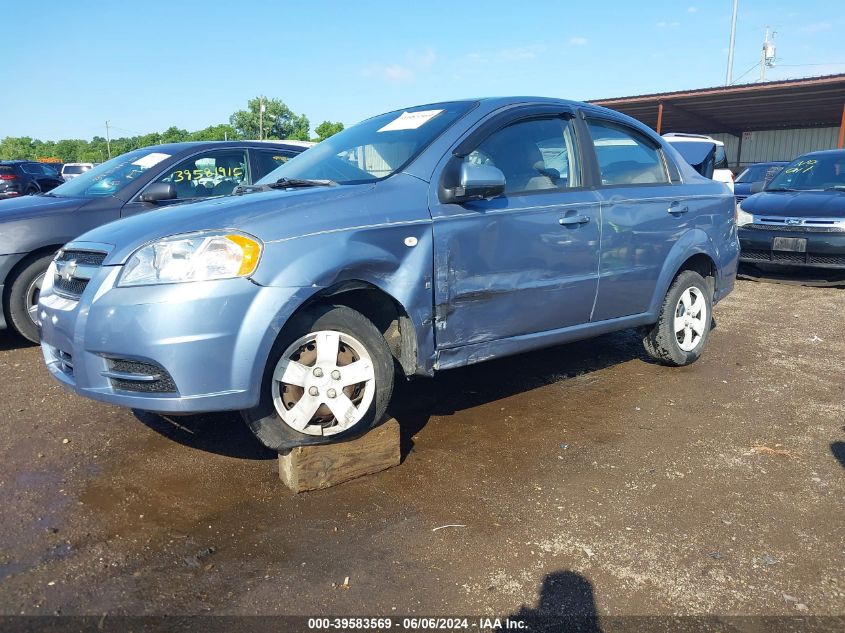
584,477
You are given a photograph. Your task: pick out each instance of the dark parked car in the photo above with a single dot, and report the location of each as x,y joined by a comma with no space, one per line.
760,172
33,228
414,242
799,217
26,178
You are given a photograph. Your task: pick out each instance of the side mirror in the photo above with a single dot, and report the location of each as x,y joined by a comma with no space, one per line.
159,191
475,182
758,186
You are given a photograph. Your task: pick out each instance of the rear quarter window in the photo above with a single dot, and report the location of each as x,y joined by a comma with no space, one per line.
721,158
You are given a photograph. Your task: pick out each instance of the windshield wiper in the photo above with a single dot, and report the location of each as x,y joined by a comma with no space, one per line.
835,188
284,183
782,189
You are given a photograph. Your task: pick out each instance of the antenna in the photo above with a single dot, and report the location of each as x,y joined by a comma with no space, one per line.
767,55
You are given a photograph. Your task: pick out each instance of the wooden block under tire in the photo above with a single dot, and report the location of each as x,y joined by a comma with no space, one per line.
314,467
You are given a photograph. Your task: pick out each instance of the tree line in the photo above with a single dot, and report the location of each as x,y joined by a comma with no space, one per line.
272,121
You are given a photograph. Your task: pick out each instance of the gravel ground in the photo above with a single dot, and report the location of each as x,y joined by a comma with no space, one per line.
583,478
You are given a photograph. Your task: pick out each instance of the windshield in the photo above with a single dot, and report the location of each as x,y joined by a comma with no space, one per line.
811,173
75,169
757,173
373,149
110,177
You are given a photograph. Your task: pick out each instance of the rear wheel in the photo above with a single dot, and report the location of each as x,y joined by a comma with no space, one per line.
22,301
683,326
329,377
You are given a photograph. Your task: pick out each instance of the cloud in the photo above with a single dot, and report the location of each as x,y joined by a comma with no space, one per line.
817,27
417,61
578,41
663,24
692,10
520,53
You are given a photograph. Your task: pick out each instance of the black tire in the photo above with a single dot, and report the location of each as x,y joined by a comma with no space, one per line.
264,420
31,191
661,341
17,300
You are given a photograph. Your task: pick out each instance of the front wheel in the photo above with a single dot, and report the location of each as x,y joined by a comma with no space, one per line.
683,326
22,300
329,377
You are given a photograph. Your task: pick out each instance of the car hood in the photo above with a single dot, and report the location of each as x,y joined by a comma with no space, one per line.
30,206
270,216
808,204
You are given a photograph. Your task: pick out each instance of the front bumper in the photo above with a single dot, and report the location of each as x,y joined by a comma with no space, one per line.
207,342
824,249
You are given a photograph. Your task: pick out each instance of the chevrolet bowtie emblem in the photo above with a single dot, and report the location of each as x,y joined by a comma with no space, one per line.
66,270
793,221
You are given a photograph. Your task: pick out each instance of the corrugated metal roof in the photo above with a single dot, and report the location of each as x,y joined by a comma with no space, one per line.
792,103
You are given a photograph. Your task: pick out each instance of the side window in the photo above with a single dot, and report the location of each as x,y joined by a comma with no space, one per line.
49,171
533,155
625,156
268,160
32,168
214,173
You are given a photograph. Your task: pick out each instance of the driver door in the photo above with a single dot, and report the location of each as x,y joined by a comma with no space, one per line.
525,262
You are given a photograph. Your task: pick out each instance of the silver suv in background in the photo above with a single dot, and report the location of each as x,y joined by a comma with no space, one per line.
721,171
72,170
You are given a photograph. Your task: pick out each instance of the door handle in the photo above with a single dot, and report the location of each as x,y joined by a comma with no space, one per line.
574,220
676,209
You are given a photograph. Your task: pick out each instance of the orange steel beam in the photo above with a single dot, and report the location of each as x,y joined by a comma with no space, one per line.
842,129
660,121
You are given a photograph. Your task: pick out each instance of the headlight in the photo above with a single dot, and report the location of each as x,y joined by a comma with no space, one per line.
742,217
192,257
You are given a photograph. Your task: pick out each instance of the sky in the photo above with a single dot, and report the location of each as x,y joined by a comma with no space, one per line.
148,65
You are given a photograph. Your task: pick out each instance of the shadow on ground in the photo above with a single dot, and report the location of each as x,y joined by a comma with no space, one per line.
10,341
566,603
415,402
810,277
838,450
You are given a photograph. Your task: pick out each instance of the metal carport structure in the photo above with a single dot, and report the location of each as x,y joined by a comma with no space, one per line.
739,111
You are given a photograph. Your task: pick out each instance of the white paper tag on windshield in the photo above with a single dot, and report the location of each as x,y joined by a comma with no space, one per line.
150,160
410,120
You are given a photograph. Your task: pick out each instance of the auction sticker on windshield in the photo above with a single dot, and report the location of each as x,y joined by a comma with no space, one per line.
410,120
150,160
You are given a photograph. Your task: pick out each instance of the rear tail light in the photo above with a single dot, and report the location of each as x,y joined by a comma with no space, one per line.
8,177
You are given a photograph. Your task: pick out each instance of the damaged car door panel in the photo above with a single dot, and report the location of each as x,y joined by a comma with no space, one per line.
418,240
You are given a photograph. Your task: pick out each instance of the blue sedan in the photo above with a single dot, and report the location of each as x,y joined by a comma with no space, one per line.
416,241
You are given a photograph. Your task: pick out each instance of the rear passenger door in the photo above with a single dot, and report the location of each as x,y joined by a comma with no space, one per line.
642,213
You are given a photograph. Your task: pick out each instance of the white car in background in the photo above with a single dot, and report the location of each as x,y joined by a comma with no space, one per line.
72,170
721,171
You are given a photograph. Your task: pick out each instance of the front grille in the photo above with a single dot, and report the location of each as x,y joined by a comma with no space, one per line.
740,198
801,228
138,376
89,258
74,270
779,257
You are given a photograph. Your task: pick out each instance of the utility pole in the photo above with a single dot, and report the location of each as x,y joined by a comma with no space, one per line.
261,119
729,75
108,140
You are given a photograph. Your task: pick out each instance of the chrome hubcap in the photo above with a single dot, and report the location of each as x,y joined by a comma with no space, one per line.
324,383
690,318
32,294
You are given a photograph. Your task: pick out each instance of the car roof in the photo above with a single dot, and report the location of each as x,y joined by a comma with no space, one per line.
824,152
16,161
185,146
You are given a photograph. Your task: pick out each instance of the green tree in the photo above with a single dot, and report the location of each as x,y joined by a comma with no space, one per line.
280,122
173,134
221,132
327,129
